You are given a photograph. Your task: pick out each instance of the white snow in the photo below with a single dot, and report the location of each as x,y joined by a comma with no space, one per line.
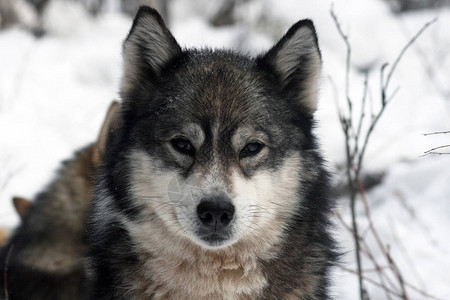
54,92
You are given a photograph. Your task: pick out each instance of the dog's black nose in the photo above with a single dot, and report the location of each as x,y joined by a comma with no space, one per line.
215,213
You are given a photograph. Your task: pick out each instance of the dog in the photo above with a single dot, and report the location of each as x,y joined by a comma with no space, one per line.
21,206
212,184
43,259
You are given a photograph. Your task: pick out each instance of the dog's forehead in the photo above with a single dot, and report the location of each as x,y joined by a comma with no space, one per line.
227,91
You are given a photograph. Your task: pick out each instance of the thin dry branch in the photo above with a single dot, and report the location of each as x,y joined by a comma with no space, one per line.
347,60
385,281
346,125
356,143
431,151
362,113
437,132
370,280
384,249
403,51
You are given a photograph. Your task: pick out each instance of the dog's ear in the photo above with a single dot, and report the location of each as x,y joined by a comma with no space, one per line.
148,47
22,206
109,125
4,236
297,62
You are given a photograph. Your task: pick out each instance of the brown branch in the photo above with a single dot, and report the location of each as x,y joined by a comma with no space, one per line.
436,148
362,114
402,52
347,60
366,250
437,132
380,285
380,243
355,153
421,292
405,253
346,125
436,153
385,282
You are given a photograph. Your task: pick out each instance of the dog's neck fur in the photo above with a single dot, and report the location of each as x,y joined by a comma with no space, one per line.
176,268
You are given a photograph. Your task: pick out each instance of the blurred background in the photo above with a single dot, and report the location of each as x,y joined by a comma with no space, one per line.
60,67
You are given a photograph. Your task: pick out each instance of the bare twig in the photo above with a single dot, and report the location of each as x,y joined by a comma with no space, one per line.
385,282
423,293
431,151
437,132
363,112
405,253
346,125
384,249
391,279
348,59
368,279
400,56
436,148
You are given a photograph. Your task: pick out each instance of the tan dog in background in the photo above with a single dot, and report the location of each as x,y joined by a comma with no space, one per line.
43,258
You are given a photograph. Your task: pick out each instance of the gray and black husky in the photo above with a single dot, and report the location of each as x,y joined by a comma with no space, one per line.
212,185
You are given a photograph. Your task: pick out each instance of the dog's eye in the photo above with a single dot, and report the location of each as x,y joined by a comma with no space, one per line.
183,146
251,149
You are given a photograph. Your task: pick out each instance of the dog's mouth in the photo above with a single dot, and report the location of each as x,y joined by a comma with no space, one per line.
215,239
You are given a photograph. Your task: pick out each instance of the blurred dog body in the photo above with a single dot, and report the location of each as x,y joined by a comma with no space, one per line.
43,259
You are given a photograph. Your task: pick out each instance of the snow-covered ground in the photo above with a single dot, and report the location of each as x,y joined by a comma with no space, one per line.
54,92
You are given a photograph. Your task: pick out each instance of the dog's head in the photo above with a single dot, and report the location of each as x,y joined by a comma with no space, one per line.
214,144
